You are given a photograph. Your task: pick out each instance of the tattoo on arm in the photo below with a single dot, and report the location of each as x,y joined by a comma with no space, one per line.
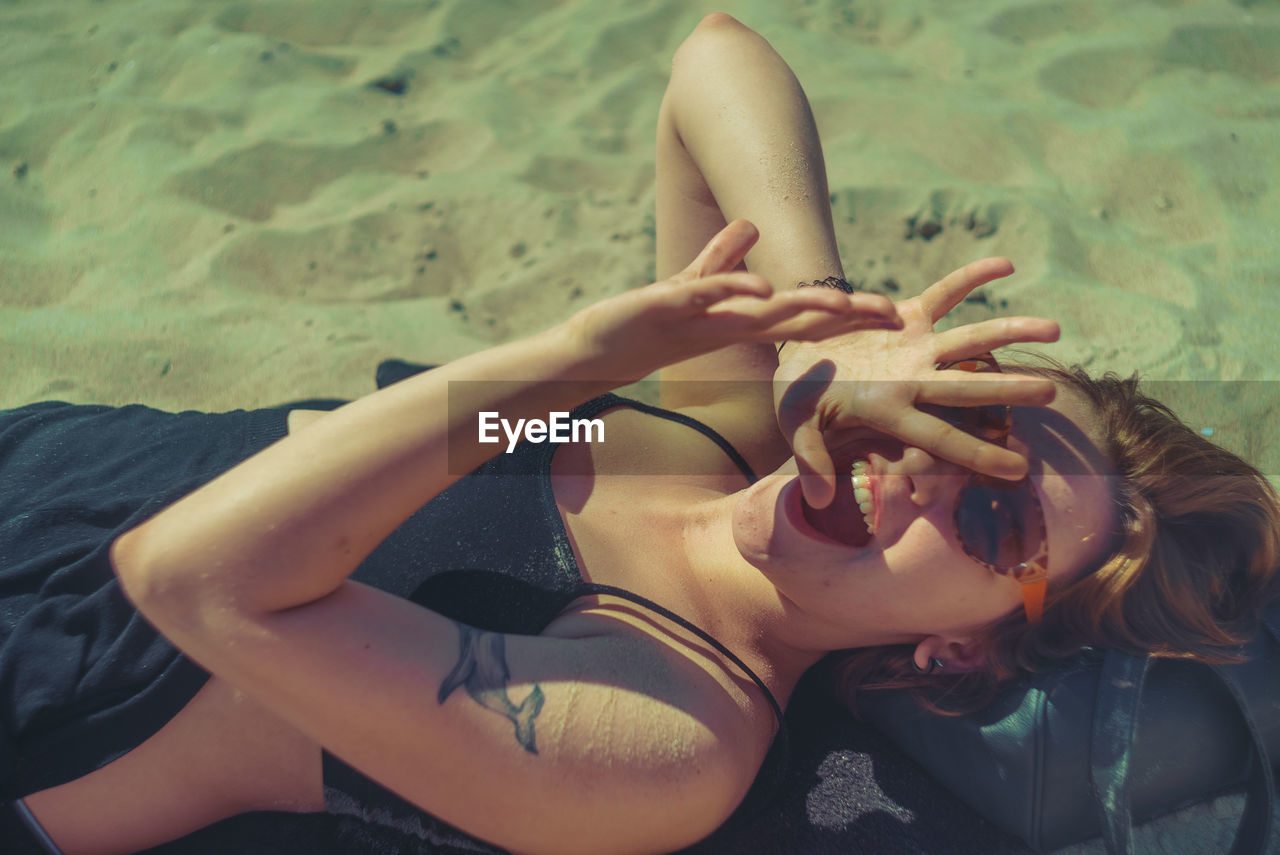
482,670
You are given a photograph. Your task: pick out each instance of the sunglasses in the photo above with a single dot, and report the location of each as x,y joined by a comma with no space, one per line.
1000,524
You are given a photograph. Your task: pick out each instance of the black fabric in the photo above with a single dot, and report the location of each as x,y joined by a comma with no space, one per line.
848,789
1183,733
83,678
18,837
1114,766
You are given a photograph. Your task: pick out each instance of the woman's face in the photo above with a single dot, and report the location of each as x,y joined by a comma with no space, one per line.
912,578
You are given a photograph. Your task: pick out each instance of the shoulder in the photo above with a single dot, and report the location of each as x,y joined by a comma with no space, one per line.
634,727
662,676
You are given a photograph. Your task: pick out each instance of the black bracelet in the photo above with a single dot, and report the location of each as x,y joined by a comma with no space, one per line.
837,282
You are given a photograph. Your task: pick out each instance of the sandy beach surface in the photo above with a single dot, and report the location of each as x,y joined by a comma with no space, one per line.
213,204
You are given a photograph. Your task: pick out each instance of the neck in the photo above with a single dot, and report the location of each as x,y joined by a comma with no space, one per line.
729,598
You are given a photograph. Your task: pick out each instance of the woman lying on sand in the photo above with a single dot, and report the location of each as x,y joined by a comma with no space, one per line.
913,506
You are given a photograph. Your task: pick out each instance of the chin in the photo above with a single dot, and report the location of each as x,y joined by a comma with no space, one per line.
753,519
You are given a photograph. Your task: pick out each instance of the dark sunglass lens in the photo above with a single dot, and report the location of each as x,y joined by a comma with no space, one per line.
992,523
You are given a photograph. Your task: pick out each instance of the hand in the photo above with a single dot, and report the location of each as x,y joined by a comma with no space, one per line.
709,305
877,378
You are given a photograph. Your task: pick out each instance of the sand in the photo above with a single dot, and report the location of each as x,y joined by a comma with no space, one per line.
211,204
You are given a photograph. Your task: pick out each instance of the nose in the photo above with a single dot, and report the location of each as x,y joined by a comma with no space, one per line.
932,479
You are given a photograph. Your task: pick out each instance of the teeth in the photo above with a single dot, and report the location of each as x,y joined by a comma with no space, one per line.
862,493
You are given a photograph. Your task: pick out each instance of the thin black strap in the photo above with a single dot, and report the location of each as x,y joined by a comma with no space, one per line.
706,430
1115,722
778,758
588,588
394,370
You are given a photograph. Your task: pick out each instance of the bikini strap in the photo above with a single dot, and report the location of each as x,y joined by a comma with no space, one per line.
588,588
609,400
706,430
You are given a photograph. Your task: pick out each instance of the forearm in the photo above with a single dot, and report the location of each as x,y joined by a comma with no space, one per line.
288,525
735,116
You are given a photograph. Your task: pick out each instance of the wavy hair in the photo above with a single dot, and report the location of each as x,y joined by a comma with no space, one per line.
1194,565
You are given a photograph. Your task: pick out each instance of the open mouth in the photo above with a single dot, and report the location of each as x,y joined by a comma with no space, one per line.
847,520
842,520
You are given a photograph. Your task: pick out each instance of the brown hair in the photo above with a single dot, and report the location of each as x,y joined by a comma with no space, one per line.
1195,563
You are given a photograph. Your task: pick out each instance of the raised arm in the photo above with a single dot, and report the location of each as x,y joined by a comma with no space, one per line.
288,525
736,138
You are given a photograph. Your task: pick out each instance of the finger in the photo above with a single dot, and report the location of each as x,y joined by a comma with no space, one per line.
724,251
819,326
743,326
946,294
794,303
947,442
701,294
838,301
986,336
808,317
966,389
817,470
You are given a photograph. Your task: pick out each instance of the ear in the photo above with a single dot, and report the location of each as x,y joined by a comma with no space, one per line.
955,655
